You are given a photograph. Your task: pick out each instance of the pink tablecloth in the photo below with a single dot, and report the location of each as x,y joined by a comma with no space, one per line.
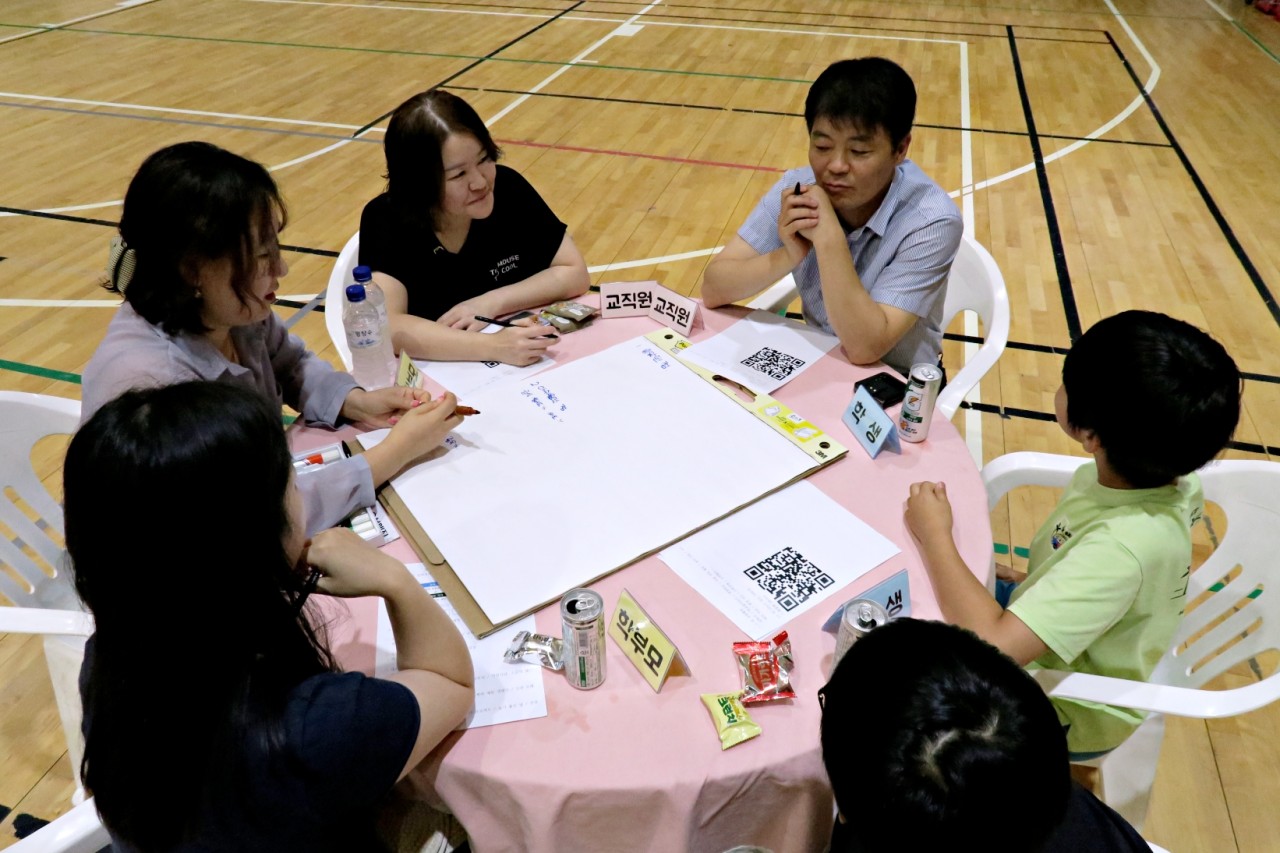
620,768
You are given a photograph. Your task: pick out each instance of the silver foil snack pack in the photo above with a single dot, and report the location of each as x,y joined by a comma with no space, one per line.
536,648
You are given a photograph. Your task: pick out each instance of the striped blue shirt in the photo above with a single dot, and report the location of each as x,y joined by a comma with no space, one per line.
903,255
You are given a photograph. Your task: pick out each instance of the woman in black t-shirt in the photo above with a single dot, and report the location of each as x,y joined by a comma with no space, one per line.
214,715
457,236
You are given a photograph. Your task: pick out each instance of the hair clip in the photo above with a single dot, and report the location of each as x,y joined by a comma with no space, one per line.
121,263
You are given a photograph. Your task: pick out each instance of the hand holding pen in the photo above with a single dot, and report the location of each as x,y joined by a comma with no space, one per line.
520,343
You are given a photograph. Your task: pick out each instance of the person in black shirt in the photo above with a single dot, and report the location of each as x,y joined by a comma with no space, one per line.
214,715
933,739
457,236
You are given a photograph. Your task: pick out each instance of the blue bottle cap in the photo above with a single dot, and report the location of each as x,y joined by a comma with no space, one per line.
355,293
362,273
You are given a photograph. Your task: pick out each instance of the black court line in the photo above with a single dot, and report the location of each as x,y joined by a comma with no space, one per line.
1242,256
1052,350
782,113
1046,198
482,60
1007,412
108,223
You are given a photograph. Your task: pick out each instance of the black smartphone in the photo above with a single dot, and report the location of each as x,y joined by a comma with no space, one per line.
885,388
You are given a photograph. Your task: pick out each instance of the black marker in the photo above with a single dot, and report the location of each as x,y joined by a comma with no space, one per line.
510,326
798,190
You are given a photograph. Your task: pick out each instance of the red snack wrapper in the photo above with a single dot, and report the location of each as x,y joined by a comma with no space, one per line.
766,669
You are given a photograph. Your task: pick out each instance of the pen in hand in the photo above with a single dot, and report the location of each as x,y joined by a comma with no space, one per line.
510,325
799,191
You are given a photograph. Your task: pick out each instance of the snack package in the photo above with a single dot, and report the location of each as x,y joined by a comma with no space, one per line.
562,325
766,669
733,723
536,648
575,311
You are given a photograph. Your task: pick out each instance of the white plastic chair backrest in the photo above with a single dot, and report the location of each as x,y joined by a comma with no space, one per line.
1248,492
78,831
975,284
335,296
24,420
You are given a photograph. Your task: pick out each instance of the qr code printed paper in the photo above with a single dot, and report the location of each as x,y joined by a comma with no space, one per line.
789,578
774,364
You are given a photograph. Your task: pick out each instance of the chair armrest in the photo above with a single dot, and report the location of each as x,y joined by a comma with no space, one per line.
78,831
33,620
776,297
1026,468
1159,698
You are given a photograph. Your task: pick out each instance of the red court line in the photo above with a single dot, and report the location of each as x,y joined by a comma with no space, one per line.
687,160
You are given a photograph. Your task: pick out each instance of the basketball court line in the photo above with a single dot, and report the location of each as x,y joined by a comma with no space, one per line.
49,28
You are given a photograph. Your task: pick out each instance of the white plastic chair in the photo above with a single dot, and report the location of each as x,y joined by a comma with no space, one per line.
1249,494
335,296
44,603
78,831
975,284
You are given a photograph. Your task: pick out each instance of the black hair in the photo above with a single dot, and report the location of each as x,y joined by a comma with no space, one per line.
923,726
175,505
190,204
869,93
414,146
1161,396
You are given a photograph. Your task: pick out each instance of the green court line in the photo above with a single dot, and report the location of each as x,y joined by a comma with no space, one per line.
1018,551
1254,39
1219,587
388,51
43,372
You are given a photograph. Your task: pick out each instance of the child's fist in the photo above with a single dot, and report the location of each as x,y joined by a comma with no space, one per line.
928,512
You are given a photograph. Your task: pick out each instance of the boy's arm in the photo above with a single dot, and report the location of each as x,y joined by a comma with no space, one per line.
963,599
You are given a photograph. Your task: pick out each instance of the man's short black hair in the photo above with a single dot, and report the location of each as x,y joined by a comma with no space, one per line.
1162,397
932,735
868,93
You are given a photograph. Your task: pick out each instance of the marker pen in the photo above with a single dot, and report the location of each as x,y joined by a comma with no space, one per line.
321,458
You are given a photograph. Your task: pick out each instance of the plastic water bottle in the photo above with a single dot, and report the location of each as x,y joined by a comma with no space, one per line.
369,336
372,292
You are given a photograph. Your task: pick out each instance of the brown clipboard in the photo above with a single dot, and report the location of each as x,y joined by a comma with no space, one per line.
820,447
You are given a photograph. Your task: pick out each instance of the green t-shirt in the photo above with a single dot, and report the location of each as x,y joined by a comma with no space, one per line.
1105,590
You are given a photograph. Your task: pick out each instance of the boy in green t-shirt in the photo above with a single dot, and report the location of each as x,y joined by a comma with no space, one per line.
1152,399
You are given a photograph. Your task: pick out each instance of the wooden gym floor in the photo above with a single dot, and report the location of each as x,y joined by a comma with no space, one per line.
1111,154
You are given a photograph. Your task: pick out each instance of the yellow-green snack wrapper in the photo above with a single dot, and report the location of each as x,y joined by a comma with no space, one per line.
733,724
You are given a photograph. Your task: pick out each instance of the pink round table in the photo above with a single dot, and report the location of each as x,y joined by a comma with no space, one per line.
619,768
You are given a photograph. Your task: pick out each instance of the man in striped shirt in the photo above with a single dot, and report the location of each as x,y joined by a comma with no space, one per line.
869,237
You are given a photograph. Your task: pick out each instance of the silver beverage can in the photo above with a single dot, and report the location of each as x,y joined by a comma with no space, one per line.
860,616
923,385
582,614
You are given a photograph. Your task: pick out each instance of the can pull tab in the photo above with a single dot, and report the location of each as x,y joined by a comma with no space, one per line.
866,617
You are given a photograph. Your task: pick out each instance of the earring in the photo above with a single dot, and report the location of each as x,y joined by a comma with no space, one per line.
199,293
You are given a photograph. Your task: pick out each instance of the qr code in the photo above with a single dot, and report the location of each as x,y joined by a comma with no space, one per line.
789,578
774,364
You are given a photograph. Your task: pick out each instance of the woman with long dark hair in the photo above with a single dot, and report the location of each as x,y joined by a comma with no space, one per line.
199,263
214,715
457,236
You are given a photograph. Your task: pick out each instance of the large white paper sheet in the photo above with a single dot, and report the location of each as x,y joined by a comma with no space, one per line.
777,558
762,351
586,468
505,692
464,378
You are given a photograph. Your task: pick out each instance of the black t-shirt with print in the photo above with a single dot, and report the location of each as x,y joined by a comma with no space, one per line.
517,240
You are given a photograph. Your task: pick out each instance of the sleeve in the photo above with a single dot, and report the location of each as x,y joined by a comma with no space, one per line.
1081,597
915,278
309,383
377,238
543,230
761,227
352,735
333,492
